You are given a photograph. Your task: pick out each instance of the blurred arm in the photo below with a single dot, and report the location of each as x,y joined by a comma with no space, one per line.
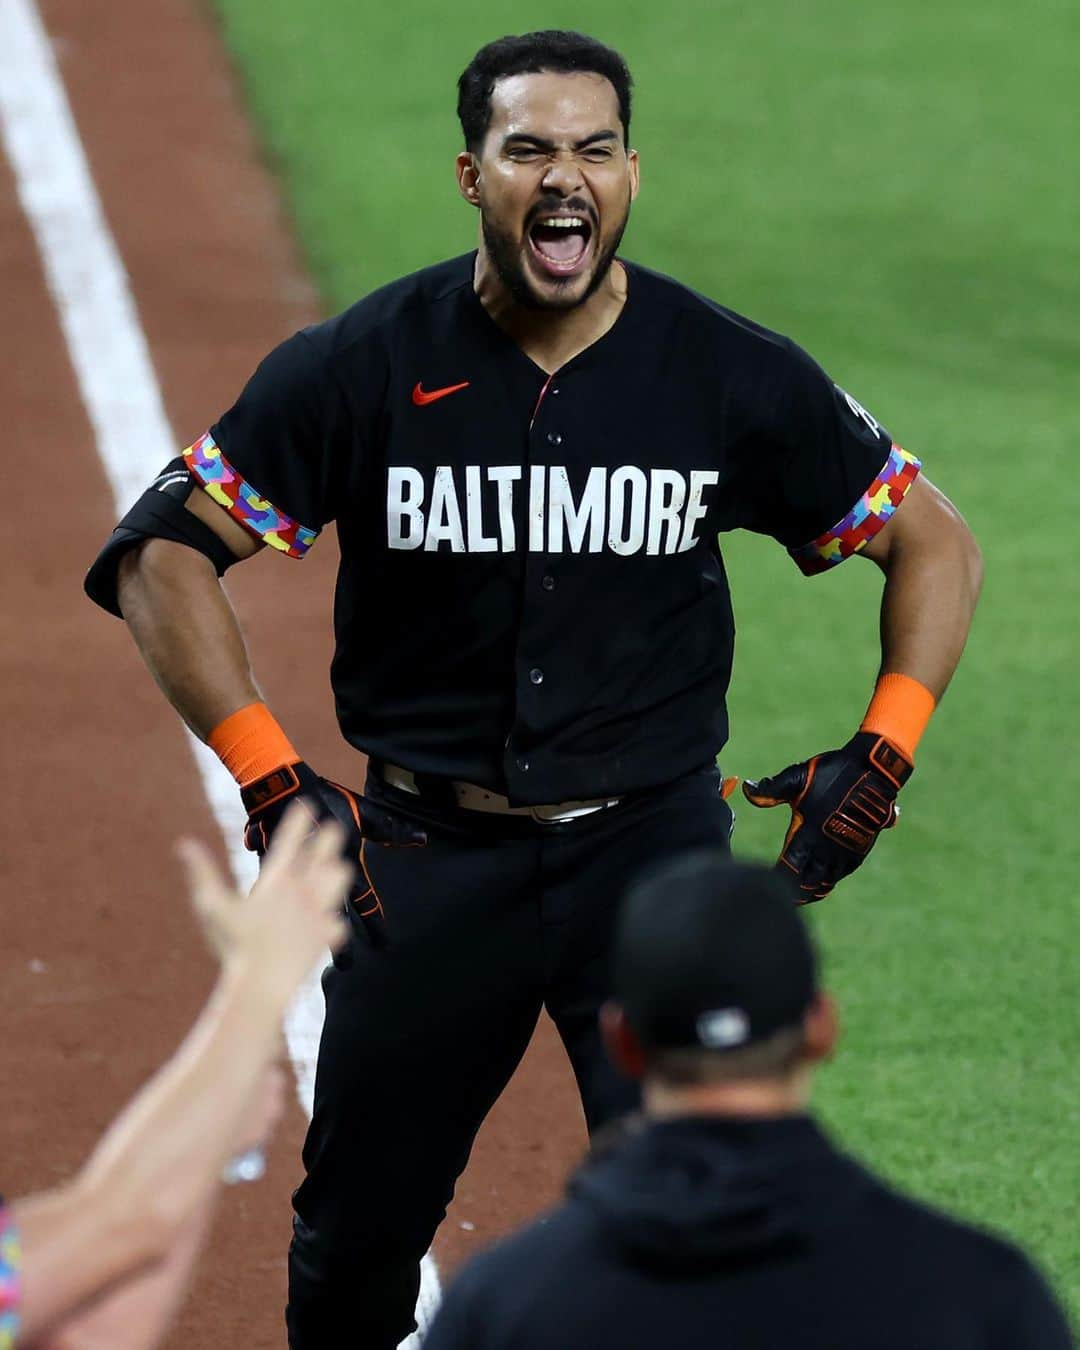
157,1166
155,1171
136,1311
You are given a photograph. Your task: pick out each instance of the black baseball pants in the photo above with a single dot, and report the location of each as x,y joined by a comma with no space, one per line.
494,919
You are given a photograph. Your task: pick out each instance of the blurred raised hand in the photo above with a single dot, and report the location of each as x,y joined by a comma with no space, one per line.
292,913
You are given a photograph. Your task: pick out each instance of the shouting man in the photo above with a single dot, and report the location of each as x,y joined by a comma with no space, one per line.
529,452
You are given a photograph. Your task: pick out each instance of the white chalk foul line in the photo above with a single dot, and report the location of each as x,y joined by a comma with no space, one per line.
119,389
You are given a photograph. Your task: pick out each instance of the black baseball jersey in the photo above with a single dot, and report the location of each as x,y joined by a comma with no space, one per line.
531,595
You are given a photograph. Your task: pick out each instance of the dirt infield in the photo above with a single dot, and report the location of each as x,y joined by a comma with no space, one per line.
103,967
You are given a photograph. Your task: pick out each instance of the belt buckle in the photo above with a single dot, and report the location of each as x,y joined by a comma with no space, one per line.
544,815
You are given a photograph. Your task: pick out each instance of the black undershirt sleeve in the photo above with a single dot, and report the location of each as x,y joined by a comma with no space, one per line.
160,513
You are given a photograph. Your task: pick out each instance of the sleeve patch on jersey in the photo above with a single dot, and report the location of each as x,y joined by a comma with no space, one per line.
10,1279
262,519
873,510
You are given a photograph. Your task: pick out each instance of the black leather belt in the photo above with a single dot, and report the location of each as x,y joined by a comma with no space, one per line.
470,797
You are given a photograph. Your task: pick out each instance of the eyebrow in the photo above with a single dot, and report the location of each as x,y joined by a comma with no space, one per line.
541,143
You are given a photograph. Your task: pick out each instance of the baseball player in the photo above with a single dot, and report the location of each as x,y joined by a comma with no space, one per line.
529,452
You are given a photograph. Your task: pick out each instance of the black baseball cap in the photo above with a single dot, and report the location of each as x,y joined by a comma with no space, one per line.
711,954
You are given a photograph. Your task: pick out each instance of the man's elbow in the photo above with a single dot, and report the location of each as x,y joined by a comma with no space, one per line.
967,553
939,532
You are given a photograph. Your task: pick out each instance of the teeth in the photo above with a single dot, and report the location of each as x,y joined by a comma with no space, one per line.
564,222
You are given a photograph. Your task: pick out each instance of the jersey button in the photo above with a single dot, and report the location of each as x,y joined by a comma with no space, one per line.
523,764
554,438
536,675
547,581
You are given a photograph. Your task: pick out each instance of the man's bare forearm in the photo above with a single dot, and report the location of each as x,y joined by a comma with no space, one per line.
933,573
926,612
186,631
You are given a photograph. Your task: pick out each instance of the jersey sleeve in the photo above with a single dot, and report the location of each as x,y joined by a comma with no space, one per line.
822,475
269,461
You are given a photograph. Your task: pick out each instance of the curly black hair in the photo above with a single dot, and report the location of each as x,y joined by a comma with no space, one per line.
552,50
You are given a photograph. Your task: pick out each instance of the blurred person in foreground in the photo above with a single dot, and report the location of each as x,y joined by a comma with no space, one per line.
724,1216
103,1261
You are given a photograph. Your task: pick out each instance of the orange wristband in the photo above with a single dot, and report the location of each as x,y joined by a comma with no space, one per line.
251,744
899,711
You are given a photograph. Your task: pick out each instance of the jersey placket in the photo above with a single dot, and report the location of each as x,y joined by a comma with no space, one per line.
536,672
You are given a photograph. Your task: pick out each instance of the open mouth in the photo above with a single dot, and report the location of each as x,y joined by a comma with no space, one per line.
560,243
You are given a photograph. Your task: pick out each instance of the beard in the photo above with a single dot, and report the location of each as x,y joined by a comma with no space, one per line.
504,250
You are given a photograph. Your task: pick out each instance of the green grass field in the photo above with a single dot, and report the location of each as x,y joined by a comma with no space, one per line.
892,186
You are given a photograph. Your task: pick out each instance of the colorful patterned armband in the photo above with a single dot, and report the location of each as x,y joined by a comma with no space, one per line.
10,1279
873,510
258,516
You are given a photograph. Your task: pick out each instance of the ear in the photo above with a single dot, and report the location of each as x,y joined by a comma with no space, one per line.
634,165
468,177
822,1027
622,1046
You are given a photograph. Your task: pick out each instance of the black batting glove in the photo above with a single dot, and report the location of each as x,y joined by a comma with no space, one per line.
840,802
363,821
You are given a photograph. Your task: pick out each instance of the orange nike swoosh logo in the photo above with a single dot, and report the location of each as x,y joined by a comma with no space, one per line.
420,397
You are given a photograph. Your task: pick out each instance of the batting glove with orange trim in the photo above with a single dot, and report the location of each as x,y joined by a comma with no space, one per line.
364,822
840,802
